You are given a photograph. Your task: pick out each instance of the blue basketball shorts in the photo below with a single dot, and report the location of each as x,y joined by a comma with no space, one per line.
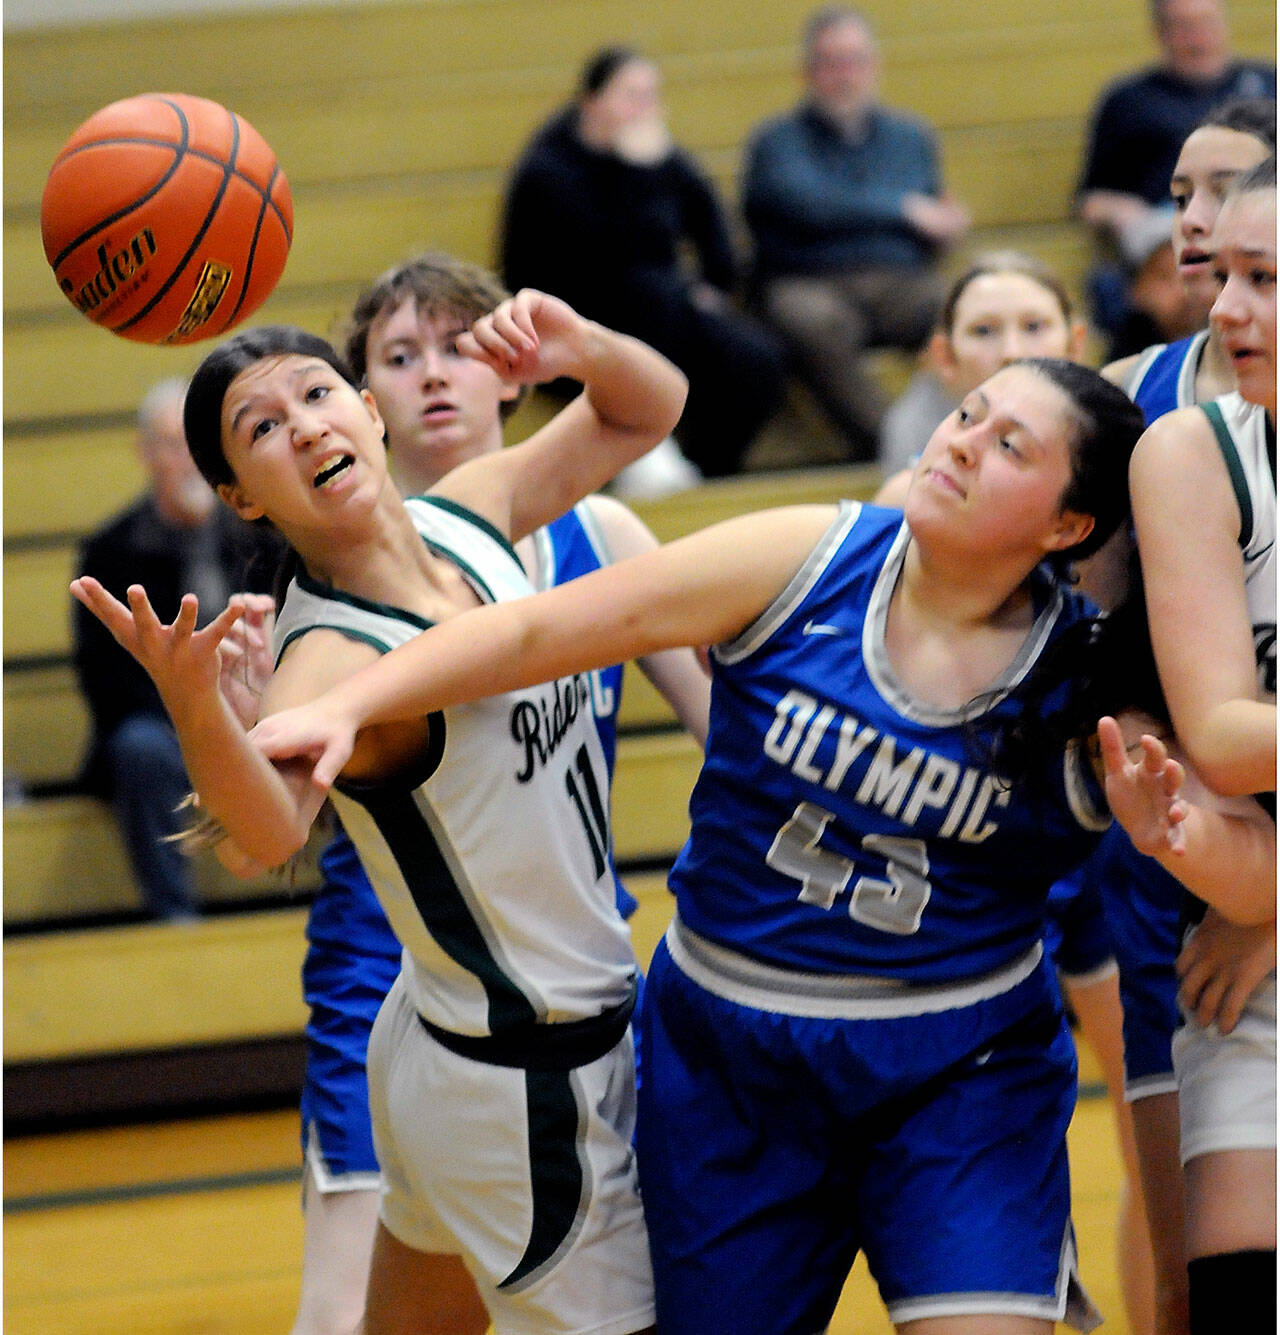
1076,936
775,1146
1143,906
344,990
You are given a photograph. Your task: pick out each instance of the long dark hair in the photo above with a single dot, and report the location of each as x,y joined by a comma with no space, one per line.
1085,670
603,65
1106,427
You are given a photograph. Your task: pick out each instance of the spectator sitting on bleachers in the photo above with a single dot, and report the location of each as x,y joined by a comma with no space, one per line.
1159,309
1141,122
173,539
845,203
604,211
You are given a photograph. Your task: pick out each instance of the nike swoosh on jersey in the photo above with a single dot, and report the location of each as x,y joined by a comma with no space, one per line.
821,628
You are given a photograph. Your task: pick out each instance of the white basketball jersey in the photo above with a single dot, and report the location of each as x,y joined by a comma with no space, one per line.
491,857
1248,448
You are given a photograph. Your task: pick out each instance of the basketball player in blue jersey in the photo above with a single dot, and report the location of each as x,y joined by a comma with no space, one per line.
440,409
851,1021
1003,307
501,1069
1006,306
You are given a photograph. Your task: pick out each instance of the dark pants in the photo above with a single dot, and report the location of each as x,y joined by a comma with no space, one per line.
829,321
148,781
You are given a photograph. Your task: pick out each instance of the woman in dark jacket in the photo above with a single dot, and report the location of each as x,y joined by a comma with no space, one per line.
606,212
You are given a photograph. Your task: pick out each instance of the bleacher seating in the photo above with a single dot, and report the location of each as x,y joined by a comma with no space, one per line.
396,122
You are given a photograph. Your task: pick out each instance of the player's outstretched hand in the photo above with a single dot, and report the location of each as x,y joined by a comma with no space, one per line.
245,654
1144,794
315,732
182,661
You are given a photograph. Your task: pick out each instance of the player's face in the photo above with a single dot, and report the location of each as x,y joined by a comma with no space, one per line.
302,442
992,477
440,407
1210,160
1244,315
999,318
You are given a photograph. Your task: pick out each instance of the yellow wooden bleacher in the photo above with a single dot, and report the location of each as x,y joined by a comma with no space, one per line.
404,144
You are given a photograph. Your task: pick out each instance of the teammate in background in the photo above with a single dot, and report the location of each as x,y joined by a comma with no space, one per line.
1231,139
1004,306
509,1021
851,1020
1210,471
440,408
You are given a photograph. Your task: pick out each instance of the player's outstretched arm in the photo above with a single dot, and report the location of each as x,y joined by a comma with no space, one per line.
699,590
1222,849
265,814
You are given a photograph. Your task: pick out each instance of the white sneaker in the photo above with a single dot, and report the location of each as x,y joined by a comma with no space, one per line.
661,472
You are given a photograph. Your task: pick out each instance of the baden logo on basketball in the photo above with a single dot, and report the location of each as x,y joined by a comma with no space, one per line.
114,271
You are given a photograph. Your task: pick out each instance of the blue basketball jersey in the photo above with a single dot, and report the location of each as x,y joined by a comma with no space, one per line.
568,547
839,825
1165,376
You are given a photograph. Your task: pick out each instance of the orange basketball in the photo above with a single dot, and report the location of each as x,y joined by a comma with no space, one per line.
166,218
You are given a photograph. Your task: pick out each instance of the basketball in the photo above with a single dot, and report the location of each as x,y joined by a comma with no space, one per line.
166,218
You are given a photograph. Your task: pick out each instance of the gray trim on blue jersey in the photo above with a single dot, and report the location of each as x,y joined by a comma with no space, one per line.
1069,1302
1088,813
1146,359
773,616
831,996
1190,366
544,549
880,670
544,545
595,534
326,1181
1185,390
1087,977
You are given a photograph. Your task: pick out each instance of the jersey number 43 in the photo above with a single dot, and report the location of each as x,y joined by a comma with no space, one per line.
892,903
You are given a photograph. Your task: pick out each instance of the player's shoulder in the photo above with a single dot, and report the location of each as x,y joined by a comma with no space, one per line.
1184,431
1121,371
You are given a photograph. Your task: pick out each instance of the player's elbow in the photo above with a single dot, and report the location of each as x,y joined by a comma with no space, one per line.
269,850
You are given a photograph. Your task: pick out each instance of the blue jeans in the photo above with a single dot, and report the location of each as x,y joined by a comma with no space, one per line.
148,782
